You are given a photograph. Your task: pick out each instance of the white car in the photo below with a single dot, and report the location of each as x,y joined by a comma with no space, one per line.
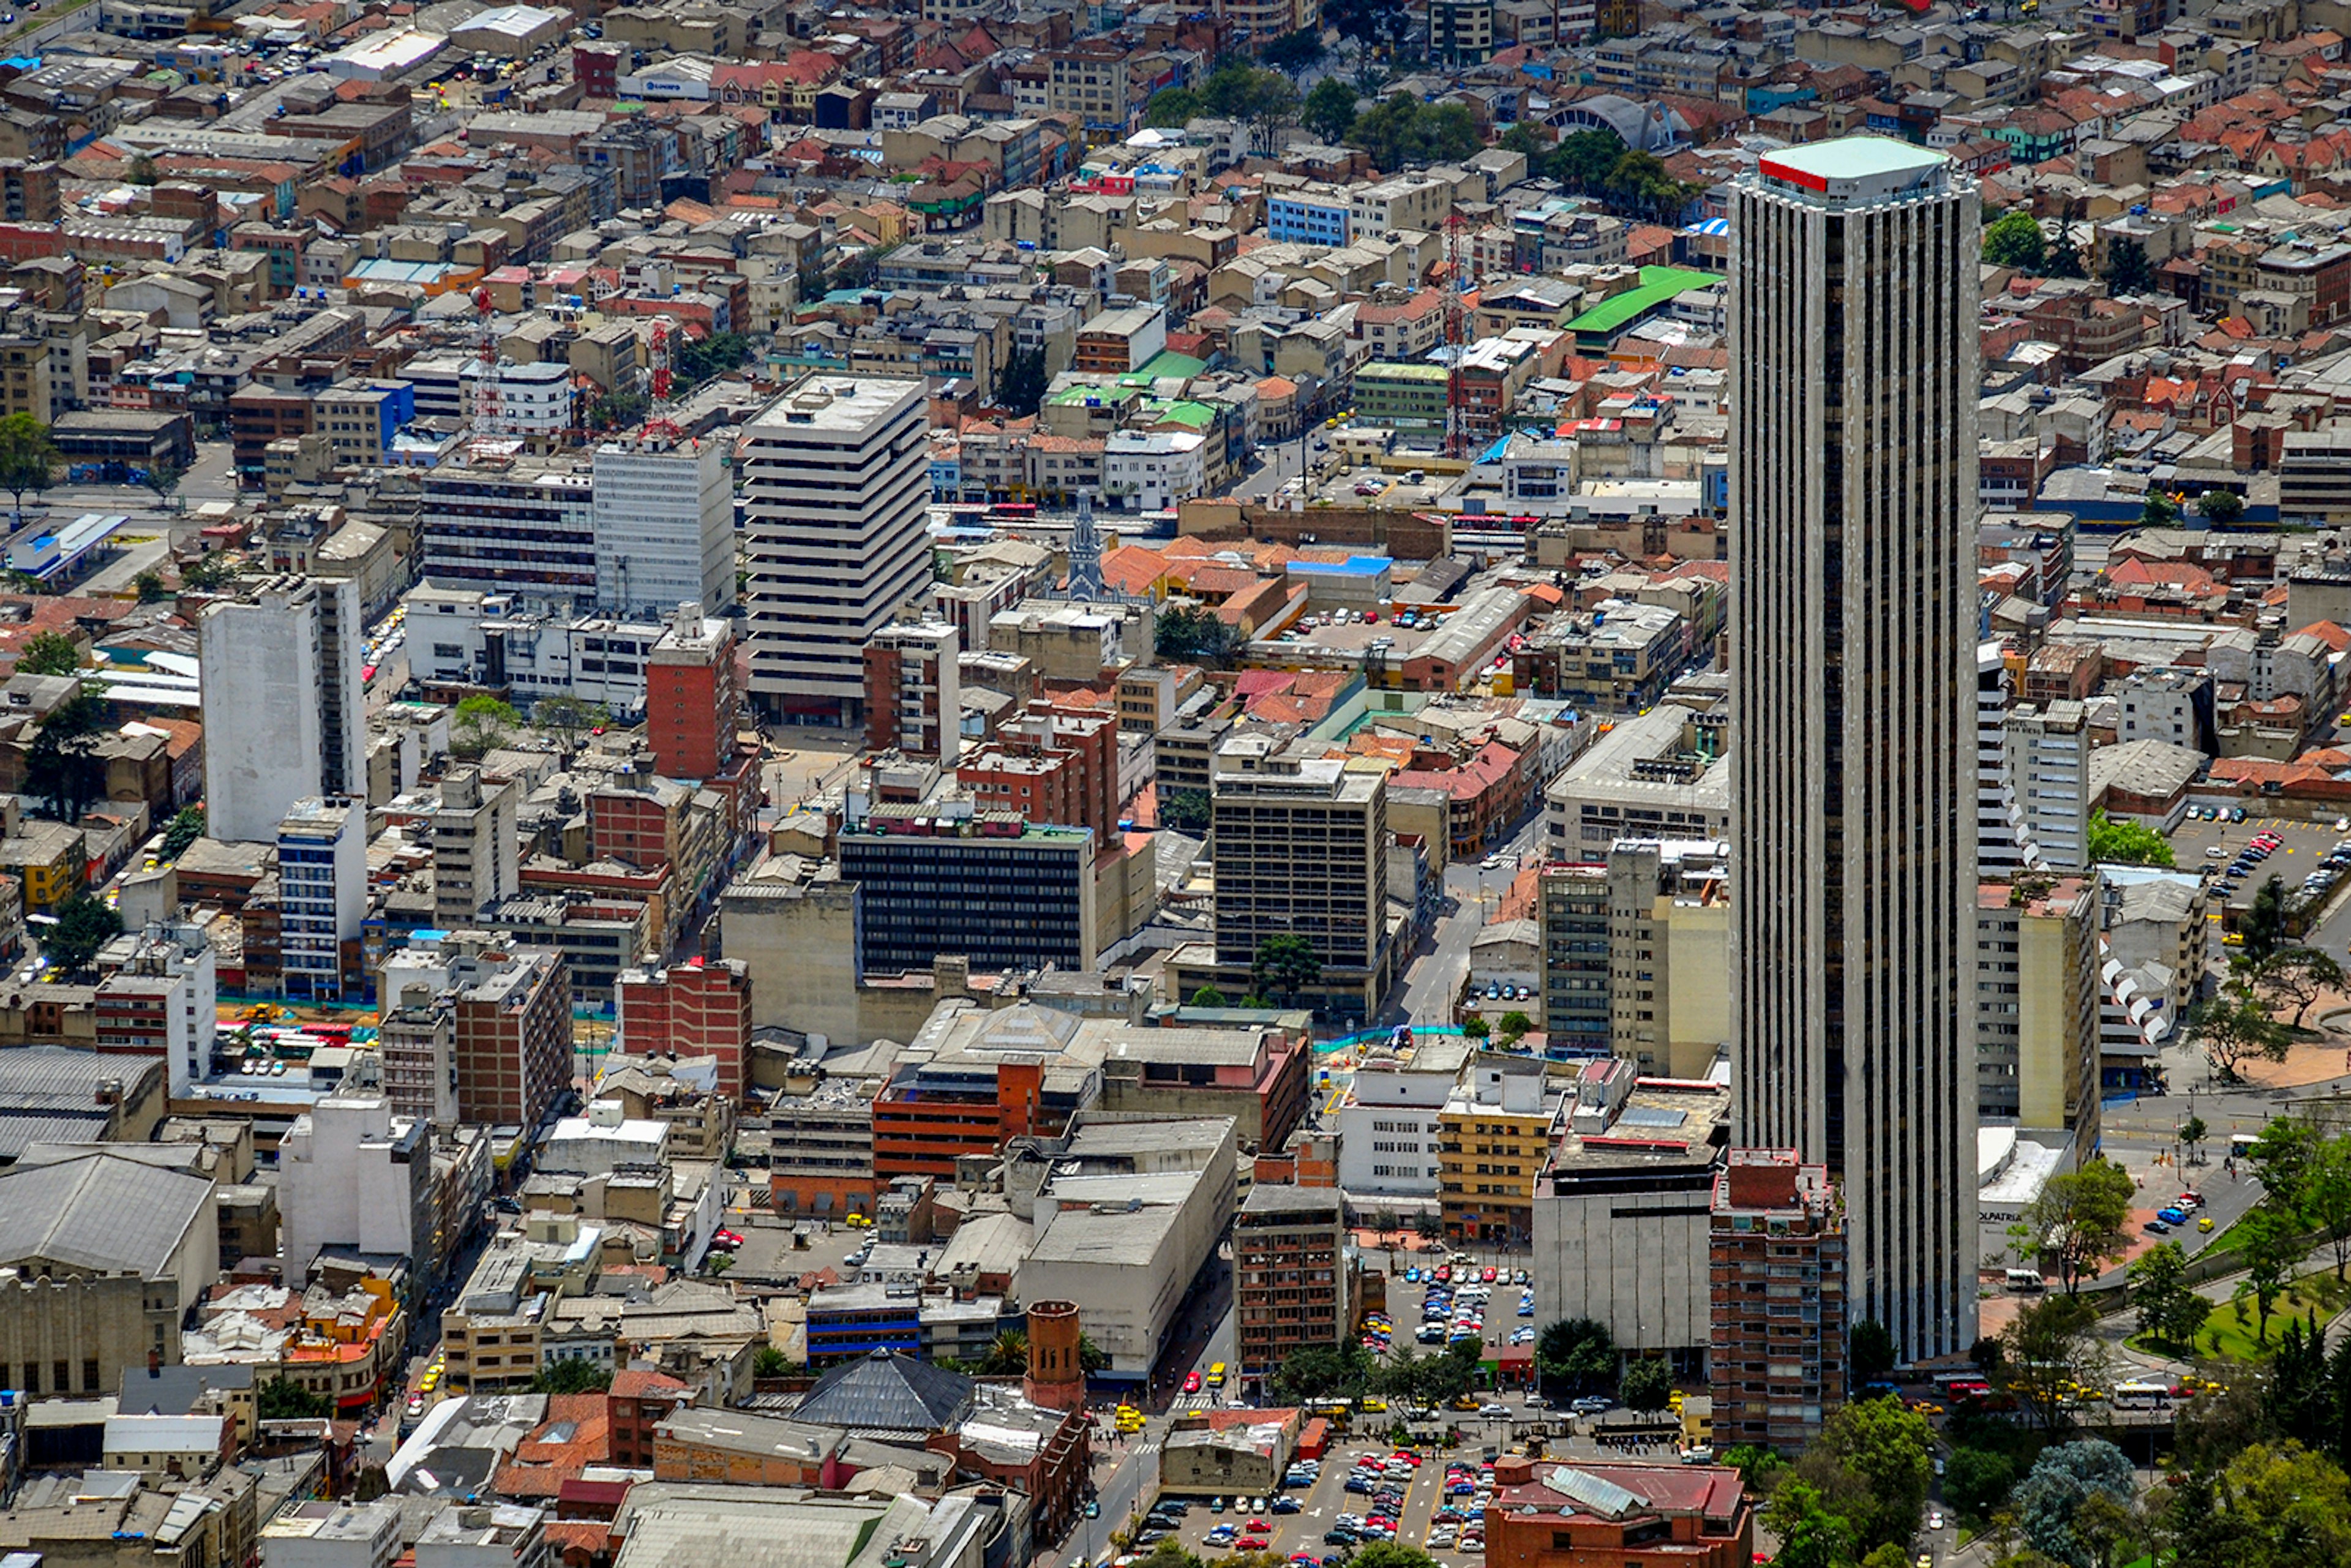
1935,1519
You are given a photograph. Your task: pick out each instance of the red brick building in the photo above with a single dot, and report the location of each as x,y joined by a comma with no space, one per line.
514,1039
641,822
1776,1352
641,1401
691,702
1056,766
695,1008
913,700
1549,1515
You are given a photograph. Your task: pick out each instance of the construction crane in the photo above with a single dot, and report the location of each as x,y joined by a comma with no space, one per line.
1456,336
485,375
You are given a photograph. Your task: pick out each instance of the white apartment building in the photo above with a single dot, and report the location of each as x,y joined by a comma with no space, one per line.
351,1175
2049,779
1854,361
665,526
158,996
1149,471
1998,841
838,477
283,710
458,633
1388,1133
322,879
534,401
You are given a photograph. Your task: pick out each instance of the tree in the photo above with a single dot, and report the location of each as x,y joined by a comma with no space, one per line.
2082,1219
1008,1355
2014,239
2065,258
1638,186
1266,102
2324,1201
2232,1026
617,409
701,359
206,573
1172,108
1976,1481
769,1362
1477,1029
1810,1534
1194,633
1577,1355
2272,1247
2299,976
62,766
1514,1026
1757,1465
1371,23
1649,1383
1021,385
48,654
2127,269
1092,1357
1329,111
1870,1463
483,724
2157,510
163,479
185,828
1285,964
1869,1353
2126,843
573,1374
2279,1505
28,459
1207,997
568,722
2169,1310
2192,1134
1583,160
1389,1554
149,584
2050,1345
139,170
2220,507
283,1399
2061,1481
1186,810
84,925
1294,54
2264,926
1322,1372
1402,130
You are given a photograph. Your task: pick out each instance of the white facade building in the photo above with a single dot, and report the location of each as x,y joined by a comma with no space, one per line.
838,477
2049,778
322,880
1853,791
665,526
1149,471
1999,846
351,1175
602,1142
171,967
466,635
284,718
1388,1133
534,401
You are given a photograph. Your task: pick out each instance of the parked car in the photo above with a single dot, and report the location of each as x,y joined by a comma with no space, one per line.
2171,1216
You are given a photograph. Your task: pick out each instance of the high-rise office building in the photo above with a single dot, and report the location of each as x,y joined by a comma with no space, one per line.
322,894
838,474
664,525
1852,482
523,525
2048,747
284,715
2000,832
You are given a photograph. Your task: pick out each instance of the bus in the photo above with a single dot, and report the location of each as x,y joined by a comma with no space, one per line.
1217,1376
2142,1396
1014,511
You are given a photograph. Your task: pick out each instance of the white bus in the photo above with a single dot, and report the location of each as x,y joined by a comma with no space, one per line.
2142,1396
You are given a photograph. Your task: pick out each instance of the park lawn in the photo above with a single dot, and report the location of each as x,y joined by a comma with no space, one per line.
2223,1335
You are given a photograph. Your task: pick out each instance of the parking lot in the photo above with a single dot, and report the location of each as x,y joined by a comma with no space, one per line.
2303,846
1418,1495
1407,1296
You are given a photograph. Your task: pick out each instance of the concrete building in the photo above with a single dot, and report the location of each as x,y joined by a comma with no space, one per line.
353,1177
1294,1276
1620,1209
913,694
1495,1136
665,515
1668,953
158,996
1389,1135
2049,780
322,894
503,522
2000,835
1572,900
1664,774
511,1015
476,856
2037,986
417,1039
837,476
284,719
1777,1248
1853,697
989,889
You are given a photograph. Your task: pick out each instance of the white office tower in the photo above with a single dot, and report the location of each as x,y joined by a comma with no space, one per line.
1999,839
284,714
2048,748
322,893
838,474
664,525
1853,752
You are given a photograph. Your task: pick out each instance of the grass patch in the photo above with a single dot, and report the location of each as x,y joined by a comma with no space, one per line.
2232,1239
2223,1334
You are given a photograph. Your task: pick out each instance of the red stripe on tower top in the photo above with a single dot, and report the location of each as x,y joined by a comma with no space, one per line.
1804,177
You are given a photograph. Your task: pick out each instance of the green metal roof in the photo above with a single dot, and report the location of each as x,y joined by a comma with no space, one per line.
1658,283
1168,362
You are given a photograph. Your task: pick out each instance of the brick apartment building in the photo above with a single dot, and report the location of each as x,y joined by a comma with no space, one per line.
514,1040
691,699
699,1008
1547,1515
1776,1256
1296,1288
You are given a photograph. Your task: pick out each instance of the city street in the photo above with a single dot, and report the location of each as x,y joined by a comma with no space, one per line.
1433,979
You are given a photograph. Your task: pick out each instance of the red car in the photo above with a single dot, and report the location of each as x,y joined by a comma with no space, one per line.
727,1240
1487,1277
1191,1383
1255,1543
1445,1273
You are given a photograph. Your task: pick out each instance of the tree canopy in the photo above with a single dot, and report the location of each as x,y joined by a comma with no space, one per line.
1194,633
1285,964
186,827
2014,239
483,723
572,1374
2082,1219
2126,843
28,457
48,654
2050,1499
1577,1355
1330,110
84,925
283,1399
1402,131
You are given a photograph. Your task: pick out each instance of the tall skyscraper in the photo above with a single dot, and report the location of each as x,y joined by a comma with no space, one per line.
837,472
284,719
1852,482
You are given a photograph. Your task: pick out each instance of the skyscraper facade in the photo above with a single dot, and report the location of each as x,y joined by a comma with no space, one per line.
1853,474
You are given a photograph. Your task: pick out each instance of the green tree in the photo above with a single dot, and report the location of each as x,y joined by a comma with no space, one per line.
1266,102
1194,634
2064,259
2299,976
1978,1480
1639,187
48,654
2051,1345
84,925
1172,108
1870,1461
1207,997
2281,1506
1583,160
2192,1134
149,585
2082,1219
2272,1247
483,723
1577,1355
283,1399
573,1374
701,359
2157,510
1477,1029
769,1362
2232,1026
616,410
139,170
1759,1467
2169,1310
1285,964
2264,926
206,573
1811,1534
1514,1026
1091,1358
2220,507
1402,130
1322,1372
2061,1479
2014,239
568,722
1869,1353
1294,54
62,766
1329,111
163,479
1021,386
187,825
1649,1383
2324,1201
28,459
2125,842
2127,269
1186,810
1008,1355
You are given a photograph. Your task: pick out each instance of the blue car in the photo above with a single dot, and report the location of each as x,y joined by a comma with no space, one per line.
2172,1215
1412,1276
